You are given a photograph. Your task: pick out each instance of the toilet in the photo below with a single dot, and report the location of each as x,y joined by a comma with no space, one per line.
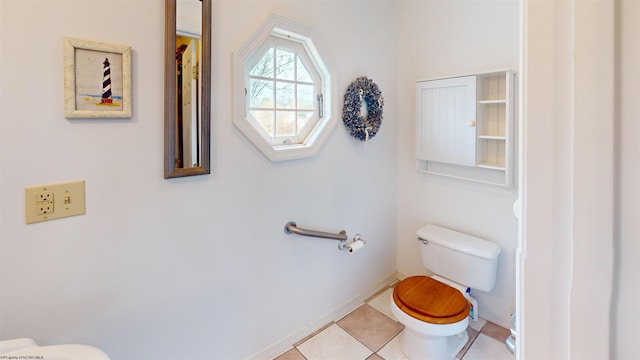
435,310
26,348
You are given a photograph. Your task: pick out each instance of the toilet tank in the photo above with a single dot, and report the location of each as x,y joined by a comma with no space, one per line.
465,259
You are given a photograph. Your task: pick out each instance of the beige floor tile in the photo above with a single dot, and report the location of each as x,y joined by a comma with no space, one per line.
485,347
472,336
333,343
292,354
382,303
392,351
370,326
312,334
477,325
495,331
375,357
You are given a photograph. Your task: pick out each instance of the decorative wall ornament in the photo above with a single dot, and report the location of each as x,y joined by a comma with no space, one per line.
97,79
363,126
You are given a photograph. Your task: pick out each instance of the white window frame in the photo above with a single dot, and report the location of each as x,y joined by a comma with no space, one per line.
279,30
278,43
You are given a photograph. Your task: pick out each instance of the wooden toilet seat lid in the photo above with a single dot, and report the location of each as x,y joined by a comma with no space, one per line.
429,300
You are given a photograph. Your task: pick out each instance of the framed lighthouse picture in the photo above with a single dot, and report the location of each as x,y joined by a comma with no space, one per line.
97,80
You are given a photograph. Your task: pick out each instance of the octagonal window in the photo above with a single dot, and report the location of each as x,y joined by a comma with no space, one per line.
281,86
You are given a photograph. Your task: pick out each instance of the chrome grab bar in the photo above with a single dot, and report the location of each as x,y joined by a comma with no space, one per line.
291,228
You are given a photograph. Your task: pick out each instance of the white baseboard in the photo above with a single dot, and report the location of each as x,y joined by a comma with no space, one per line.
285,344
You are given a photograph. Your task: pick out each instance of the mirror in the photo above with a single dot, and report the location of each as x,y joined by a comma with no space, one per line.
187,88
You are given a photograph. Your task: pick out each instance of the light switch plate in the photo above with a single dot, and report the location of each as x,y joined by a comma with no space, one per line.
54,201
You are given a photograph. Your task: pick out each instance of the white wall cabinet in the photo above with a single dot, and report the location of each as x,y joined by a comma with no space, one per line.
464,127
447,110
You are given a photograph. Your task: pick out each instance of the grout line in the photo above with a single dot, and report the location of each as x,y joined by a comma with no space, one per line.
349,313
312,335
470,343
372,297
495,331
387,343
301,354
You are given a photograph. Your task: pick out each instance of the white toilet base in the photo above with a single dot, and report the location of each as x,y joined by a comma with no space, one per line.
422,341
420,346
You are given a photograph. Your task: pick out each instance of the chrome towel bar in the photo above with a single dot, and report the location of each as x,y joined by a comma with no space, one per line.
291,228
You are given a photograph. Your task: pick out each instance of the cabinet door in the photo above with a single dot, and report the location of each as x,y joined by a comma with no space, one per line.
445,127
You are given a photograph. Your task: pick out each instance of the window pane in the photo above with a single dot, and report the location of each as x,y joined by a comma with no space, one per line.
285,125
285,97
261,94
303,118
285,67
303,73
265,119
305,97
264,67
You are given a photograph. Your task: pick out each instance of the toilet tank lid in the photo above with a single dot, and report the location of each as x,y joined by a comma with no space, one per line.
459,241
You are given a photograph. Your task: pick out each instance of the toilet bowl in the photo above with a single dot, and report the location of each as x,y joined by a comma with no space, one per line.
26,348
435,316
435,310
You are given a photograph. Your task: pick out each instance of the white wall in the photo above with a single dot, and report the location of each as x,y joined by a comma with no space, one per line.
448,38
196,267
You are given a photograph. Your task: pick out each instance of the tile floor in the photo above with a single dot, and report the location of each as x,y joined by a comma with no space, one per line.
370,332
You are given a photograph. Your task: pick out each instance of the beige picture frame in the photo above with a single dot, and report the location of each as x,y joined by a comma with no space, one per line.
97,79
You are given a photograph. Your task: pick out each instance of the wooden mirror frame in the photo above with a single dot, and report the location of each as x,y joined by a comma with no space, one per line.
170,169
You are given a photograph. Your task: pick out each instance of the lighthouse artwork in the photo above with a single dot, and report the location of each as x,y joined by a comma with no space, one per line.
98,80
